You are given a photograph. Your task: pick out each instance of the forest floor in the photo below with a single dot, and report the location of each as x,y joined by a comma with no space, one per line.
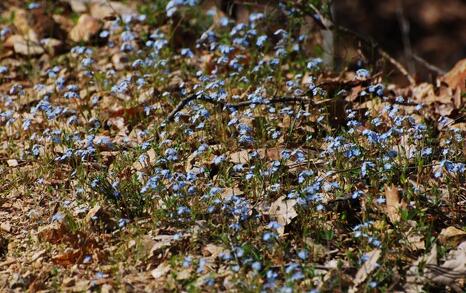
164,147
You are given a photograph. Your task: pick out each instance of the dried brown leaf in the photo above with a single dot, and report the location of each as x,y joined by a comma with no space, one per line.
452,235
393,204
161,270
284,211
367,268
454,268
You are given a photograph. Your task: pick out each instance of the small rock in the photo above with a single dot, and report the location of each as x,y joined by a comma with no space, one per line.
85,29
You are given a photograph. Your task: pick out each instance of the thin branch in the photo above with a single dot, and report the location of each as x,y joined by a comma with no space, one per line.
243,104
327,24
405,31
428,65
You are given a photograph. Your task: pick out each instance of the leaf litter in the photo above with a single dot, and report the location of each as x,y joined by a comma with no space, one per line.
145,152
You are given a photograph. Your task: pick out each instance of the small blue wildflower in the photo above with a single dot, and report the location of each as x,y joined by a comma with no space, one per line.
314,64
380,200
257,266
274,225
58,217
104,34
261,41
186,52
33,5
425,152
218,159
122,222
268,236
303,254
362,73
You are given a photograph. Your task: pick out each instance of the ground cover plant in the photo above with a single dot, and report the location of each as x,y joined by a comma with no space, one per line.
162,146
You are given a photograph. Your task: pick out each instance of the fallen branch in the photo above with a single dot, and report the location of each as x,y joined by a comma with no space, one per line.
193,97
276,100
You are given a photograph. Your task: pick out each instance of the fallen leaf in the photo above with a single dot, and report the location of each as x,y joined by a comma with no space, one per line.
161,270
454,268
53,232
69,257
106,9
85,29
212,250
240,157
6,227
161,242
24,46
12,163
416,242
367,268
456,77
451,235
148,161
414,277
229,191
184,274
283,210
92,213
36,255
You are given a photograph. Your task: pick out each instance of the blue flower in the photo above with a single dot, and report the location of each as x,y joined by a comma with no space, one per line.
362,73
314,64
261,41
257,266
303,254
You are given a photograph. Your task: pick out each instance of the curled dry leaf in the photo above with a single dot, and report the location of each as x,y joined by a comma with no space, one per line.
447,96
230,191
393,203
452,235
24,46
456,77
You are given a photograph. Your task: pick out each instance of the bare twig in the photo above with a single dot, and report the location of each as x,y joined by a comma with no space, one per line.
428,65
405,29
327,24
